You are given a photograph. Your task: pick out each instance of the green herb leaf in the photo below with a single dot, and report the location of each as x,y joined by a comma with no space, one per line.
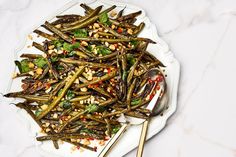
80,33
103,18
91,108
134,43
54,59
66,104
130,60
40,62
37,113
58,44
70,47
23,66
135,102
103,50
115,129
70,94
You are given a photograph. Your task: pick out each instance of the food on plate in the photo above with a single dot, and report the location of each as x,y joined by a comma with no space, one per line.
91,70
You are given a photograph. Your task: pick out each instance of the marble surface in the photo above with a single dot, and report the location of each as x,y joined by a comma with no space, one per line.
202,35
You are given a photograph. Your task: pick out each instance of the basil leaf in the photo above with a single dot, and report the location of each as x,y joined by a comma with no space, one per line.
40,62
103,50
80,33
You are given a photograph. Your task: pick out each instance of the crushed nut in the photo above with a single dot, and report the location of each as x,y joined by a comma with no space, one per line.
39,71
112,47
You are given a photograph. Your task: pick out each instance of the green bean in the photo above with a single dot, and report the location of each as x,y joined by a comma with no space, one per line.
114,32
120,13
88,21
27,97
129,16
80,98
130,93
139,29
101,91
81,54
86,7
52,69
61,136
144,102
23,106
69,16
131,73
46,70
39,47
64,90
57,88
81,145
77,116
105,34
108,126
103,78
58,32
115,40
83,19
31,56
78,62
108,102
45,35
87,52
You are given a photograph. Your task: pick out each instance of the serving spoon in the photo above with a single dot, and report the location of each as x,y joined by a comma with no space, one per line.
155,76
156,110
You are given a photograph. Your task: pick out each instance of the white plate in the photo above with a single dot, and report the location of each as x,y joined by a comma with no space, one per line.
130,138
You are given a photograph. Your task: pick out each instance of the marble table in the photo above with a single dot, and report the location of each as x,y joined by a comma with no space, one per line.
202,35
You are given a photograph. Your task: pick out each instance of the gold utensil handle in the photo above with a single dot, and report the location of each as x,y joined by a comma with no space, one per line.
113,141
142,138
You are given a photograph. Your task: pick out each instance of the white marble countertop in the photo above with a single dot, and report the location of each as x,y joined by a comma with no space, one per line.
202,35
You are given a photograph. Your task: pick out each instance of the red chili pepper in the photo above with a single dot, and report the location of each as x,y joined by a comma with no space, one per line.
150,80
63,118
108,70
73,40
159,79
91,138
95,148
119,30
151,96
65,52
106,138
